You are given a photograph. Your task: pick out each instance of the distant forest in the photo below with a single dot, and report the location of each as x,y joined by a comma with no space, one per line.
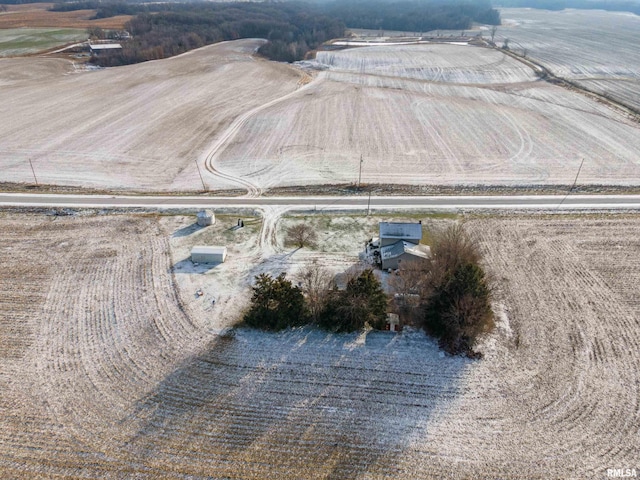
292,29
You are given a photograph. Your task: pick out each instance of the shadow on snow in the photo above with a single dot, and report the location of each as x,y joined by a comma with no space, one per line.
339,404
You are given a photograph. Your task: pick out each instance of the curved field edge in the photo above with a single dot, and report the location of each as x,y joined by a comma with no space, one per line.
108,371
139,127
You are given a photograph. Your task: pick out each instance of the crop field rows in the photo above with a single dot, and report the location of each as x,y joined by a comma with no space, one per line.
37,15
109,371
412,131
24,41
596,49
159,117
256,125
436,63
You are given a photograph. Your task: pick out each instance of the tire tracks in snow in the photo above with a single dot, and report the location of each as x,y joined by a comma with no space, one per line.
219,146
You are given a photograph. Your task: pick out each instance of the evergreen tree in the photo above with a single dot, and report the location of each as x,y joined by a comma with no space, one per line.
362,301
275,304
459,309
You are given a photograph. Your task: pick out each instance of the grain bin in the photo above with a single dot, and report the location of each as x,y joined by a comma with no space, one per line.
205,218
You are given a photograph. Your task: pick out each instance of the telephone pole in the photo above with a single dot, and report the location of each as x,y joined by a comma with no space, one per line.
34,172
204,188
360,173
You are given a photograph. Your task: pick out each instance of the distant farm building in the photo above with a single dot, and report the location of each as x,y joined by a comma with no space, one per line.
100,48
393,322
398,244
202,254
205,218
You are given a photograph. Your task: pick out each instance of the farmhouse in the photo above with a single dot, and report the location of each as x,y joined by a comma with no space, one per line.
393,256
392,232
202,254
400,244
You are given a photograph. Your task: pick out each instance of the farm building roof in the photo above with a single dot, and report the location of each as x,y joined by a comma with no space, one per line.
208,250
105,46
400,230
401,247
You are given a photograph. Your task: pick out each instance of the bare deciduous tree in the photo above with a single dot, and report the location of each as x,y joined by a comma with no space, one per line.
301,235
494,29
315,282
408,288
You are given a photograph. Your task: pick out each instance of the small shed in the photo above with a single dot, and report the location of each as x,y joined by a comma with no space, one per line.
205,218
201,254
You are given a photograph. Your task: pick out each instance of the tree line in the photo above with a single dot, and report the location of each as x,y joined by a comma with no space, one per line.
292,29
413,15
449,296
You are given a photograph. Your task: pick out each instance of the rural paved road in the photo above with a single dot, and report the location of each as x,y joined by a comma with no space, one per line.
445,203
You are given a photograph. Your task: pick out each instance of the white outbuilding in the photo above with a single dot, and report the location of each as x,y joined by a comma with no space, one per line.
205,218
201,254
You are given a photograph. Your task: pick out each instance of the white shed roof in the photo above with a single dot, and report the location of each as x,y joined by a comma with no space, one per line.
209,250
400,230
105,46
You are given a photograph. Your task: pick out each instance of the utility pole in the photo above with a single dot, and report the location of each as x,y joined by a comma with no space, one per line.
33,171
574,184
204,188
360,174
369,203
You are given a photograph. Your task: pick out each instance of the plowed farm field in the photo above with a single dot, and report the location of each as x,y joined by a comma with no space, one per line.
107,372
432,114
34,15
135,127
416,114
593,48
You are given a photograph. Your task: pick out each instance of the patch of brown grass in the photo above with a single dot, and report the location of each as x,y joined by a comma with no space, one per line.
38,15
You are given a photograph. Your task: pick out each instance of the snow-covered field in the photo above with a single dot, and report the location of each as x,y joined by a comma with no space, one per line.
420,132
111,369
437,63
135,127
417,114
595,48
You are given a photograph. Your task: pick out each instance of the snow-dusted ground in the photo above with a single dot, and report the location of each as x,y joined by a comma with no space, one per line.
420,132
433,62
417,114
595,48
134,127
111,368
